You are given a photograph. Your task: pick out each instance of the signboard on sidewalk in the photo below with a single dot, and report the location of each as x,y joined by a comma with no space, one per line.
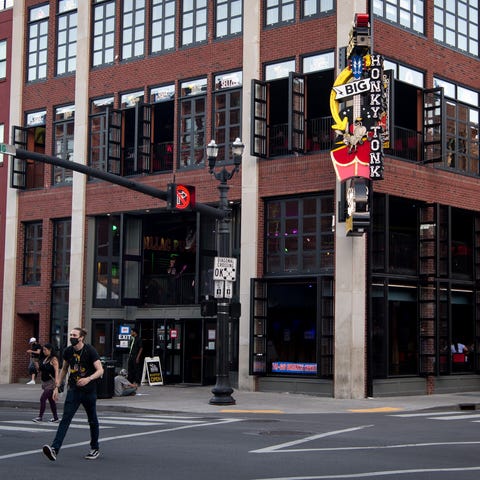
152,371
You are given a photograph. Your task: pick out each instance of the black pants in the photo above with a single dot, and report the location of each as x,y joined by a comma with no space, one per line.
134,370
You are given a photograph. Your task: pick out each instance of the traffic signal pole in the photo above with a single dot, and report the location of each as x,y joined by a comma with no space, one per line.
109,177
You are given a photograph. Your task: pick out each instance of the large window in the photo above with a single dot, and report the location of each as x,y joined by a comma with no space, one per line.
32,253
291,110
228,19
64,128
67,36
60,281
163,25
456,24
37,43
133,31
3,59
194,21
298,235
462,123
103,43
100,114
107,261
192,123
278,11
227,112
315,7
408,13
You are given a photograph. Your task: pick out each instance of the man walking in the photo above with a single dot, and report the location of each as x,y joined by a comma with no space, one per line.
85,367
135,358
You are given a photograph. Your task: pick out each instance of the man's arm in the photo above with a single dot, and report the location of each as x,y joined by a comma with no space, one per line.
96,374
61,377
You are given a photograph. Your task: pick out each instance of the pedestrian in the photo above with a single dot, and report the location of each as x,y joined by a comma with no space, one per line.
134,358
123,387
49,373
34,351
83,364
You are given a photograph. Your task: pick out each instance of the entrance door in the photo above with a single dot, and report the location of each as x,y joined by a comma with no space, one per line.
192,372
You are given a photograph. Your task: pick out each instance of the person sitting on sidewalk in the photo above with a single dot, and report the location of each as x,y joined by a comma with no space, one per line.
123,387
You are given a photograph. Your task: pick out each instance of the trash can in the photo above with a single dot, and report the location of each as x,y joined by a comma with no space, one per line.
106,384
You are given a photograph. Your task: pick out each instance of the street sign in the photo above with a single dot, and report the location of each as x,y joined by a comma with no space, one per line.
7,149
228,289
219,287
185,197
225,268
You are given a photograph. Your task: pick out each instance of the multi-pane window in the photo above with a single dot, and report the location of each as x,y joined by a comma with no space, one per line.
163,25
192,122
63,142
194,21
2,139
315,7
298,235
32,253
67,36
100,113
227,112
61,251
103,32
407,13
228,19
5,4
3,58
37,43
462,123
107,260
456,24
133,31
278,11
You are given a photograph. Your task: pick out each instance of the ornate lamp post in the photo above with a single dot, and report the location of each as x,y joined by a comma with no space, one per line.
222,391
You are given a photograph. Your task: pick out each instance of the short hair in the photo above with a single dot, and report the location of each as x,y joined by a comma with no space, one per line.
134,329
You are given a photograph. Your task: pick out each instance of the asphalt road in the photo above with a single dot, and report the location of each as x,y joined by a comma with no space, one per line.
438,445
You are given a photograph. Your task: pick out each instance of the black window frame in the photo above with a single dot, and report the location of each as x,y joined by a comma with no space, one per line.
32,253
103,41
67,28
40,37
163,22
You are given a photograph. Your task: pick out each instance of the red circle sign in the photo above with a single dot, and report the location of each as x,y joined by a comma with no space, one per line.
183,197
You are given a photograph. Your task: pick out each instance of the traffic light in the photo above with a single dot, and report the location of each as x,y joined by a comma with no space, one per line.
180,197
358,219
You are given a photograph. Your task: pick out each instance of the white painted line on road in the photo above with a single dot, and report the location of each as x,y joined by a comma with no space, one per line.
456,417
283,446
381,473
48,425
25,429
278,448
429,414
152,419
131,423
130,435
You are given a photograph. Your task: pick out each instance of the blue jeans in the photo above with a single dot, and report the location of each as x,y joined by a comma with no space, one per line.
75,398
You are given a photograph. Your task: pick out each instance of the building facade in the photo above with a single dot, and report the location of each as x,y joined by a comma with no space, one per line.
138,89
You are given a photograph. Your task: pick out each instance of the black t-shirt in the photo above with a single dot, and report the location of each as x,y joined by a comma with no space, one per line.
35,347
81,365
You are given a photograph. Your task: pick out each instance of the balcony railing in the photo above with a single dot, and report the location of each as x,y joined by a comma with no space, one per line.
406,144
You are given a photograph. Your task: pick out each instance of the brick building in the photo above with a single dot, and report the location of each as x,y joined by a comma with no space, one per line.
139,88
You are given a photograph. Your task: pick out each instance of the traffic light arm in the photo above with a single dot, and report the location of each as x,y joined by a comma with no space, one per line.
111,178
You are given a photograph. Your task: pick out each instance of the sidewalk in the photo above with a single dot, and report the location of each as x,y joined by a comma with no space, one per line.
194,399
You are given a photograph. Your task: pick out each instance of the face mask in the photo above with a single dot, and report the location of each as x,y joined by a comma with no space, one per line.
74,341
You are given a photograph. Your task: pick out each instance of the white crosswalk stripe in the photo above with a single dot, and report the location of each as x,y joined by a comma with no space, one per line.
106,422
444,416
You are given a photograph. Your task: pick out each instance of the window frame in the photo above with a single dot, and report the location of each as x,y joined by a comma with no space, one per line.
281,7
64,121
106,49
165,21
66,62
33,64
192,22
392,12
228,18
32,253
3,59
136,31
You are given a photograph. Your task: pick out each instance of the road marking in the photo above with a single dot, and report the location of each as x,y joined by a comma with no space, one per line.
455,417
130,435
380,473
283,447
376,409
48,426
427,414
152,419
231,410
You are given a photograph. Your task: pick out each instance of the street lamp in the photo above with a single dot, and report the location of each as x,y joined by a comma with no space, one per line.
222,391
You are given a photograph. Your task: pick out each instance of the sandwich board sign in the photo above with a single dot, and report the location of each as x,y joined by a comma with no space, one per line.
152,371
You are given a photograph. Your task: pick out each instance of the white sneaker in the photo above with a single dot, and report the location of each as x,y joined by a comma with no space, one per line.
31,382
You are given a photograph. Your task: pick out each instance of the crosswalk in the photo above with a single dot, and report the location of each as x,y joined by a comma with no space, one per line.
454,415
106,422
